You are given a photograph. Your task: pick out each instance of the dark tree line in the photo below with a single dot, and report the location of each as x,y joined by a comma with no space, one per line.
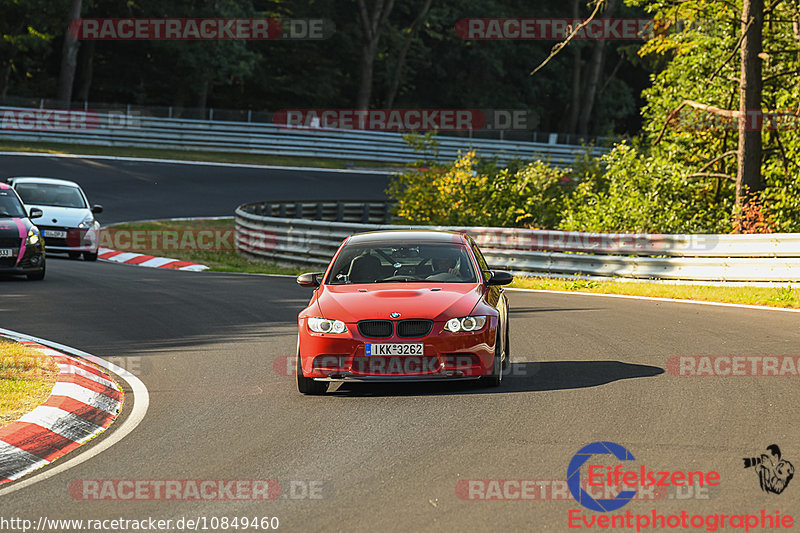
383,54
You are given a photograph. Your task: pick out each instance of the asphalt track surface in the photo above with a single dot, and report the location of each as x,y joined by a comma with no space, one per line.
585,369
133,190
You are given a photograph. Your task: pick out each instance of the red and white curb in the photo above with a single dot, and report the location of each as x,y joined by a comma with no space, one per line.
83,403
151,261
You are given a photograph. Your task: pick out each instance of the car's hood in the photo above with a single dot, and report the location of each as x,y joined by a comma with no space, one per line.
412,300
14,227
64,216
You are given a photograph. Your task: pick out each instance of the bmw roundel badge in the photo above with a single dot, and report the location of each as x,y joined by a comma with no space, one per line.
395,315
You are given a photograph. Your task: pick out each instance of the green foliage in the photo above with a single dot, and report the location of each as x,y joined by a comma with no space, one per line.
469,192
641,192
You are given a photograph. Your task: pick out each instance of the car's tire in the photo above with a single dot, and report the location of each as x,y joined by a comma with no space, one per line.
74,255
36,276
307,385
496,377
90,256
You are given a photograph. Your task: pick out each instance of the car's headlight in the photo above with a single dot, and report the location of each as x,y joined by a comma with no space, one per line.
469,323
87,222
33,237
324,325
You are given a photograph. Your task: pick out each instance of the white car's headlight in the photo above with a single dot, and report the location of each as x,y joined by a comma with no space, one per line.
324,325
33,237
87,222
469,323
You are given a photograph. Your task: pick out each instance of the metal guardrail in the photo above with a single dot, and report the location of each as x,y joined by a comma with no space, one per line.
122,130
696,257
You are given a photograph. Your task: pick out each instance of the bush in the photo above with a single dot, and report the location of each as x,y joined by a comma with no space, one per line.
642,192
473,193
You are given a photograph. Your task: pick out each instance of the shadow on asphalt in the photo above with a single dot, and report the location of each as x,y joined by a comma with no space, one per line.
521,377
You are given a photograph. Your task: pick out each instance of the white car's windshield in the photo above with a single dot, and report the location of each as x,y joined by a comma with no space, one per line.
10,206
387,263
50,194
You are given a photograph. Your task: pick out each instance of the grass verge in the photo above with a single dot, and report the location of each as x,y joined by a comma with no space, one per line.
184,155
26,379
230,261
767,296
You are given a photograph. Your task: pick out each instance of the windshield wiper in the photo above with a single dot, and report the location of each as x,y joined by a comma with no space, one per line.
403,280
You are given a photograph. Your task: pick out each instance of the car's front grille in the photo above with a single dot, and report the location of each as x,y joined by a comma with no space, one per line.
376,329
414,328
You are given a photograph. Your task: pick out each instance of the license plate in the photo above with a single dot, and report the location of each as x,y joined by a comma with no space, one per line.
6,252
55,234
404,348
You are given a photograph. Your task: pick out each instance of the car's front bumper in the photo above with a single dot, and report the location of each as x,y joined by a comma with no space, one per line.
446,356
77,240
32,261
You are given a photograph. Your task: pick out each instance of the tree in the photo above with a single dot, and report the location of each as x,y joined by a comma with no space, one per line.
372,24
748,174
69,57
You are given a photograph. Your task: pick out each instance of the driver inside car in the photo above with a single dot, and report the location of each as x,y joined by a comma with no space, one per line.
445,265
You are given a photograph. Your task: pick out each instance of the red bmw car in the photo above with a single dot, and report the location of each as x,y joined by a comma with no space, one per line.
403,306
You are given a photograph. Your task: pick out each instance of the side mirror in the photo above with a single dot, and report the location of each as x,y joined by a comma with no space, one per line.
310,279
97,209
36,213
499,277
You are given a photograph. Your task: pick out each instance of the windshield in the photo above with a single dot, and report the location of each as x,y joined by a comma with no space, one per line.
50,194
10,205
387,263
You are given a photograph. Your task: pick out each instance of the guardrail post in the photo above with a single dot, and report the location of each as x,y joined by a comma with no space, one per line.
298,210
365,214
339,212
283,211
319,210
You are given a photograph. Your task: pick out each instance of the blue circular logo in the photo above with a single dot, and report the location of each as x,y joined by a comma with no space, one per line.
574,476
395,315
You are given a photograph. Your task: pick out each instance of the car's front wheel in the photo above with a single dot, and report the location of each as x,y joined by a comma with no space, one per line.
90,256
308,385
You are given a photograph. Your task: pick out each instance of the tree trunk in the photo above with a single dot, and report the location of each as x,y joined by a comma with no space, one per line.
748,175
85,71
401,58
575,98
371,25
595,70
202,94
4,81
69,57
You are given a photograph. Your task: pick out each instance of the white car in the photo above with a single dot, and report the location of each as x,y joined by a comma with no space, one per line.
68,224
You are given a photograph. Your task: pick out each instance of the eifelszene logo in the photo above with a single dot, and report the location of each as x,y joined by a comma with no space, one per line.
774,472
610,479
